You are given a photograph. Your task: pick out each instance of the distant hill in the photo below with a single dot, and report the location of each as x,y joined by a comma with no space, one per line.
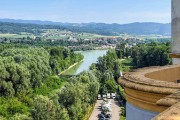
115,29
30,21
17,28
145,28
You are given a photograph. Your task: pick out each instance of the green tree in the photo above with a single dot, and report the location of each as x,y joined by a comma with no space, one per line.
20,117
111,85
43,108
62,114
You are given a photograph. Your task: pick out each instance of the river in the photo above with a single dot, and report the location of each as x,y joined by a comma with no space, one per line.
90,56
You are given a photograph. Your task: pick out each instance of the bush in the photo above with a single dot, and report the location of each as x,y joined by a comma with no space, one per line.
50,84
111,85
20,117
121,90
43,108
88,114
11,106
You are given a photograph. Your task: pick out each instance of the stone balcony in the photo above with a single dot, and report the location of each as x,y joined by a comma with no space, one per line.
155,89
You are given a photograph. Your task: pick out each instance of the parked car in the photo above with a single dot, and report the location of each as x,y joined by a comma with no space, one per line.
101,119
106,107
99,97
113,95
101,116
109,102
108,116
107,119
102,112
108,95
104,96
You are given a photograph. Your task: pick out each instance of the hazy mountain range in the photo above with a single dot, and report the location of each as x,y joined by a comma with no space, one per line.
137,28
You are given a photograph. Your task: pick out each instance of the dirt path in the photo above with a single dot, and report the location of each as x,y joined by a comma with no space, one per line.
70,67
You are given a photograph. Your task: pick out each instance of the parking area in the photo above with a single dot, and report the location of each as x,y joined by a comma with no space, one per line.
115,110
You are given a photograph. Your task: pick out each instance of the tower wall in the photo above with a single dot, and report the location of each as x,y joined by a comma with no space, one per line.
175,11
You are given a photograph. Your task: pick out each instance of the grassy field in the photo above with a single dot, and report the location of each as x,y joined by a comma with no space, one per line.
64,34
89,36
7,35
126,65
56,37
14,35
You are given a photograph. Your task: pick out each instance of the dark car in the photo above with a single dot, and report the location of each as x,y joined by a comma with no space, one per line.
101,116
107,119
108,116
103,113
101,119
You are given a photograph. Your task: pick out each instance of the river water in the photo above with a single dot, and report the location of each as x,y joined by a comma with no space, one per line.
90,56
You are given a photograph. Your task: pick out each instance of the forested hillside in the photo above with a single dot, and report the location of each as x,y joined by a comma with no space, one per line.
116,29
31,90
27,71
145,55
17,28
34,27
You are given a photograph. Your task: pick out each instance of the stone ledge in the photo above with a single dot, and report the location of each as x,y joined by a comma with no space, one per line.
147,88
172,113
140,79
174,55
170,99
158,82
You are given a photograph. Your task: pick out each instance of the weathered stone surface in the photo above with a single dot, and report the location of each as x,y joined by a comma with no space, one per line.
154,79
153,88
172,113
176,29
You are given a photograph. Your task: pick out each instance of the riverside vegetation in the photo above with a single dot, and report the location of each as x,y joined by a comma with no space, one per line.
30,89
28,77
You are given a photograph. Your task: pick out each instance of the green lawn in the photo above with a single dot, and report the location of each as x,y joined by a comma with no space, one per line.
126,65
14,35
50,85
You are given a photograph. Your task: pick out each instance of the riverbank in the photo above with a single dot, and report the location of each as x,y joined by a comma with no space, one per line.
90,56
70,67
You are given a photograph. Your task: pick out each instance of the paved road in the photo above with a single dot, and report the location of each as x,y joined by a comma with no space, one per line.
96,111
114,112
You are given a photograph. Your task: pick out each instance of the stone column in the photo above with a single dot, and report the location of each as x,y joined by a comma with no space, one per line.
175,31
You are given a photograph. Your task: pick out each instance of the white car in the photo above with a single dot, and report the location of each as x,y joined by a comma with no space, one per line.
109,102
99,97
106,107
104,96
113,95
108,95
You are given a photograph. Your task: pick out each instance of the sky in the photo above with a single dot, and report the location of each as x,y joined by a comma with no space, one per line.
84,11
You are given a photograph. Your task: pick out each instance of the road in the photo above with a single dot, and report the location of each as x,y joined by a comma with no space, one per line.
115,110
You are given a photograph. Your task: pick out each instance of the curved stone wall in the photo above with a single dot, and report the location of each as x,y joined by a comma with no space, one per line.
169,74
147,89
